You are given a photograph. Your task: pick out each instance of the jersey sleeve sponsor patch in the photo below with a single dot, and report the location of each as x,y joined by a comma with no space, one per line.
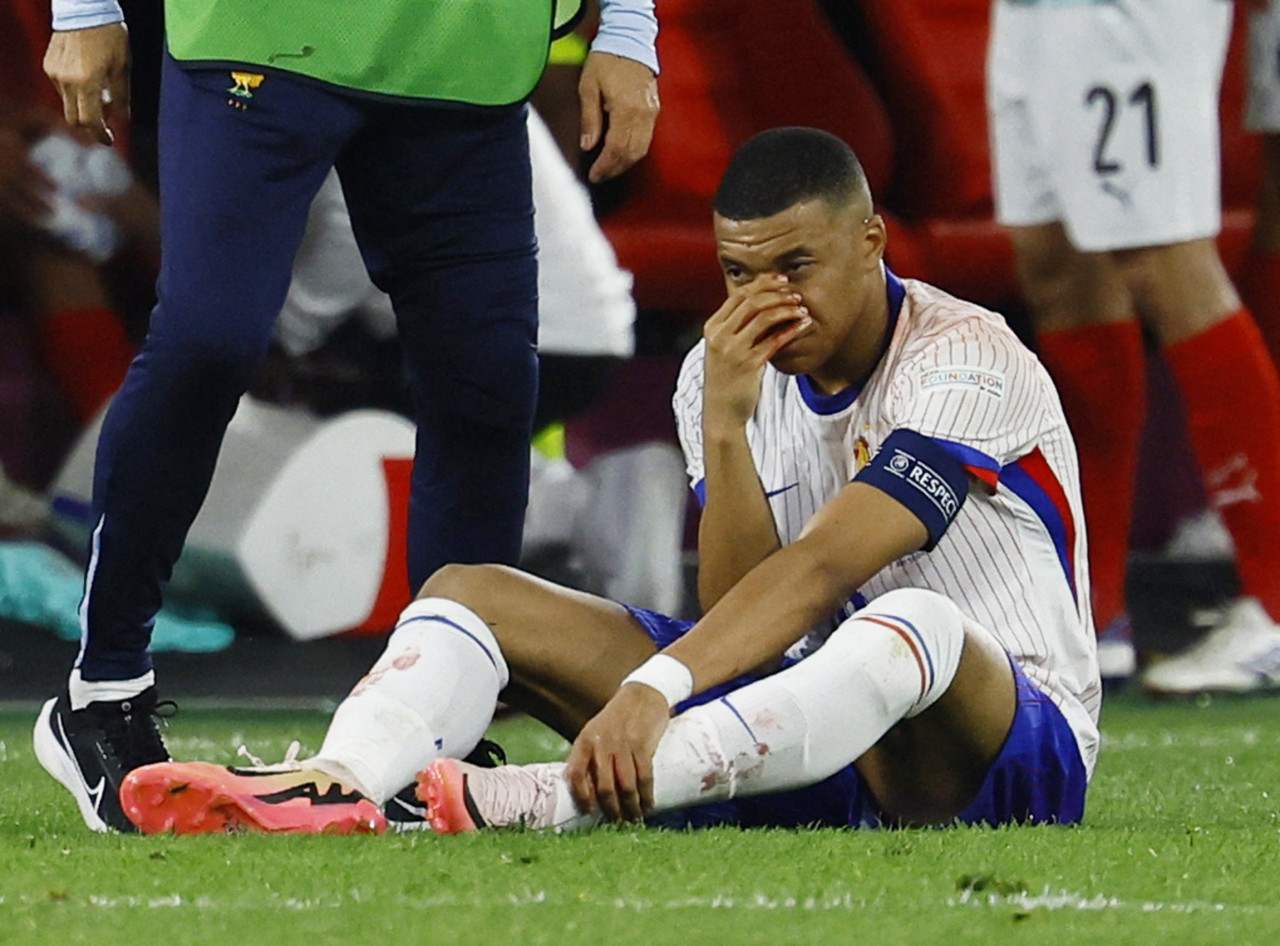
990,383
923,476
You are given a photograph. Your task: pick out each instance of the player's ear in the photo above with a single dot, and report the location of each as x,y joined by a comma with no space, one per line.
873,240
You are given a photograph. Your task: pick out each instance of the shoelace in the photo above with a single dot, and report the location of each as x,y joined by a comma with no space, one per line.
516,795
134,730
289,763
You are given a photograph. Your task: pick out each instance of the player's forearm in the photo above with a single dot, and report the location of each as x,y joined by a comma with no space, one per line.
737,530
772,607
850,539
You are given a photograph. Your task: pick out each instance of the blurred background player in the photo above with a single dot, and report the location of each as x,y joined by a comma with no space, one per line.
1260,281
1104,120
78,236
429,140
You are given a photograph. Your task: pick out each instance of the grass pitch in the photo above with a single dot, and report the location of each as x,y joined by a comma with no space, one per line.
1181,845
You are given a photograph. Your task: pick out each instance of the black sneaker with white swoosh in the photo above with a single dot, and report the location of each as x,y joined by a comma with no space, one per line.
90,751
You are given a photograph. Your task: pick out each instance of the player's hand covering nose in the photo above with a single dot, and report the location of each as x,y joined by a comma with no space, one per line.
752,326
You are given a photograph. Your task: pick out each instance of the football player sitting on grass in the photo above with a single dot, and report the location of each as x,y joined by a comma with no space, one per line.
895,630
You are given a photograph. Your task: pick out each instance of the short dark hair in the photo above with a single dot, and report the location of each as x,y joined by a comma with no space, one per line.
781,167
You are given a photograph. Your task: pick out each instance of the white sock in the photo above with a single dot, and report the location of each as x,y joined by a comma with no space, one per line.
84,692
431,693
890,661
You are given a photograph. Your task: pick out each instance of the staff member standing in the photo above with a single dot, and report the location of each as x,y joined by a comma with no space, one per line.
420,107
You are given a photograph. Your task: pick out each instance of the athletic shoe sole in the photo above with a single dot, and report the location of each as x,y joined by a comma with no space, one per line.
202,798
443,788
53,750
1207,686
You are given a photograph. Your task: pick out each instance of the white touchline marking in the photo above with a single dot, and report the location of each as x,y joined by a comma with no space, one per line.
847,901
1168,740
1066,900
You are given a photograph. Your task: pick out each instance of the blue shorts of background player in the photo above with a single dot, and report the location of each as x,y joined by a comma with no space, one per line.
1038,777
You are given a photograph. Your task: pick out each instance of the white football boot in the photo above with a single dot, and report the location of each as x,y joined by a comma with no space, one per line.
1239,654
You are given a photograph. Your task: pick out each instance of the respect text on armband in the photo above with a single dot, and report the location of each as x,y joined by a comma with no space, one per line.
925,480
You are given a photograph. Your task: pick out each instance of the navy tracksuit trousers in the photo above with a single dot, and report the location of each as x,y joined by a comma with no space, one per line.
441,204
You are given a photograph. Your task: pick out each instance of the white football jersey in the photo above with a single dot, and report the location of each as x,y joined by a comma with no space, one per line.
1015,558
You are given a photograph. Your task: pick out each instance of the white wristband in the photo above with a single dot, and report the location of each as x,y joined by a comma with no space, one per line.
665,674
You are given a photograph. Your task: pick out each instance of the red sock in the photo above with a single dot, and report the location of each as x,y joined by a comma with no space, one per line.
1101,375
87,352
1260,287
1232,396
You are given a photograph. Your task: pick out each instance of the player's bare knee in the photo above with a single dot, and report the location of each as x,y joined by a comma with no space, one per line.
478,587
462,583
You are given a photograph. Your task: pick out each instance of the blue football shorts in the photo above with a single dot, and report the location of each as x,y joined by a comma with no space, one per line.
1038,777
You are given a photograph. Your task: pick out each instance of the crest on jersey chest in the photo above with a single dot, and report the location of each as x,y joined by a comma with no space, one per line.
862,450
861,454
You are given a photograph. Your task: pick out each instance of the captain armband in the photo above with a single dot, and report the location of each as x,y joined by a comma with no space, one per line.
923,476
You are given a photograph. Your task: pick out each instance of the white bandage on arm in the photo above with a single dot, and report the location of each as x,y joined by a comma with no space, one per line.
82,14
665,674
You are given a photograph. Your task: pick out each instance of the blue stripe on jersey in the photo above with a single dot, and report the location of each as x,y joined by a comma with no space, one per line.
700,490
1023,485
826,404
968,456
923,476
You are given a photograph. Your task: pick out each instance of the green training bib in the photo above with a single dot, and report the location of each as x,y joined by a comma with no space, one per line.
481,52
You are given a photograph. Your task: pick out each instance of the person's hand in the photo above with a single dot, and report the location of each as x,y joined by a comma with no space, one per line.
90,69
626,92
611,763
752,325
25,190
